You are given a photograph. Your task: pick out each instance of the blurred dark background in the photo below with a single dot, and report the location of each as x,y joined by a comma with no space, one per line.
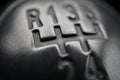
114,3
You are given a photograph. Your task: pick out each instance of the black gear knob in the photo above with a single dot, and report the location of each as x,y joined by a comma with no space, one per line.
59,40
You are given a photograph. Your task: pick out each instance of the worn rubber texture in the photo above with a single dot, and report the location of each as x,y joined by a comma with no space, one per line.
59,40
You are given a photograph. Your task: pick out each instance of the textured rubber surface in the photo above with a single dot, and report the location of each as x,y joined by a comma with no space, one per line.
59,40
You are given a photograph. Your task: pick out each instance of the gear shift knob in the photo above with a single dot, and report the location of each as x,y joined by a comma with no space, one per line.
59,40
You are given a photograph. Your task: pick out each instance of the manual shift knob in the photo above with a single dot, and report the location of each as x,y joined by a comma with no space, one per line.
59,40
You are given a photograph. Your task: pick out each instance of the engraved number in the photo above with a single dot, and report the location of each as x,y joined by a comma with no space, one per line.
52,13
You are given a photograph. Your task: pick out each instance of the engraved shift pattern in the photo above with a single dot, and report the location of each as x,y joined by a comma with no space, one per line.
71,27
